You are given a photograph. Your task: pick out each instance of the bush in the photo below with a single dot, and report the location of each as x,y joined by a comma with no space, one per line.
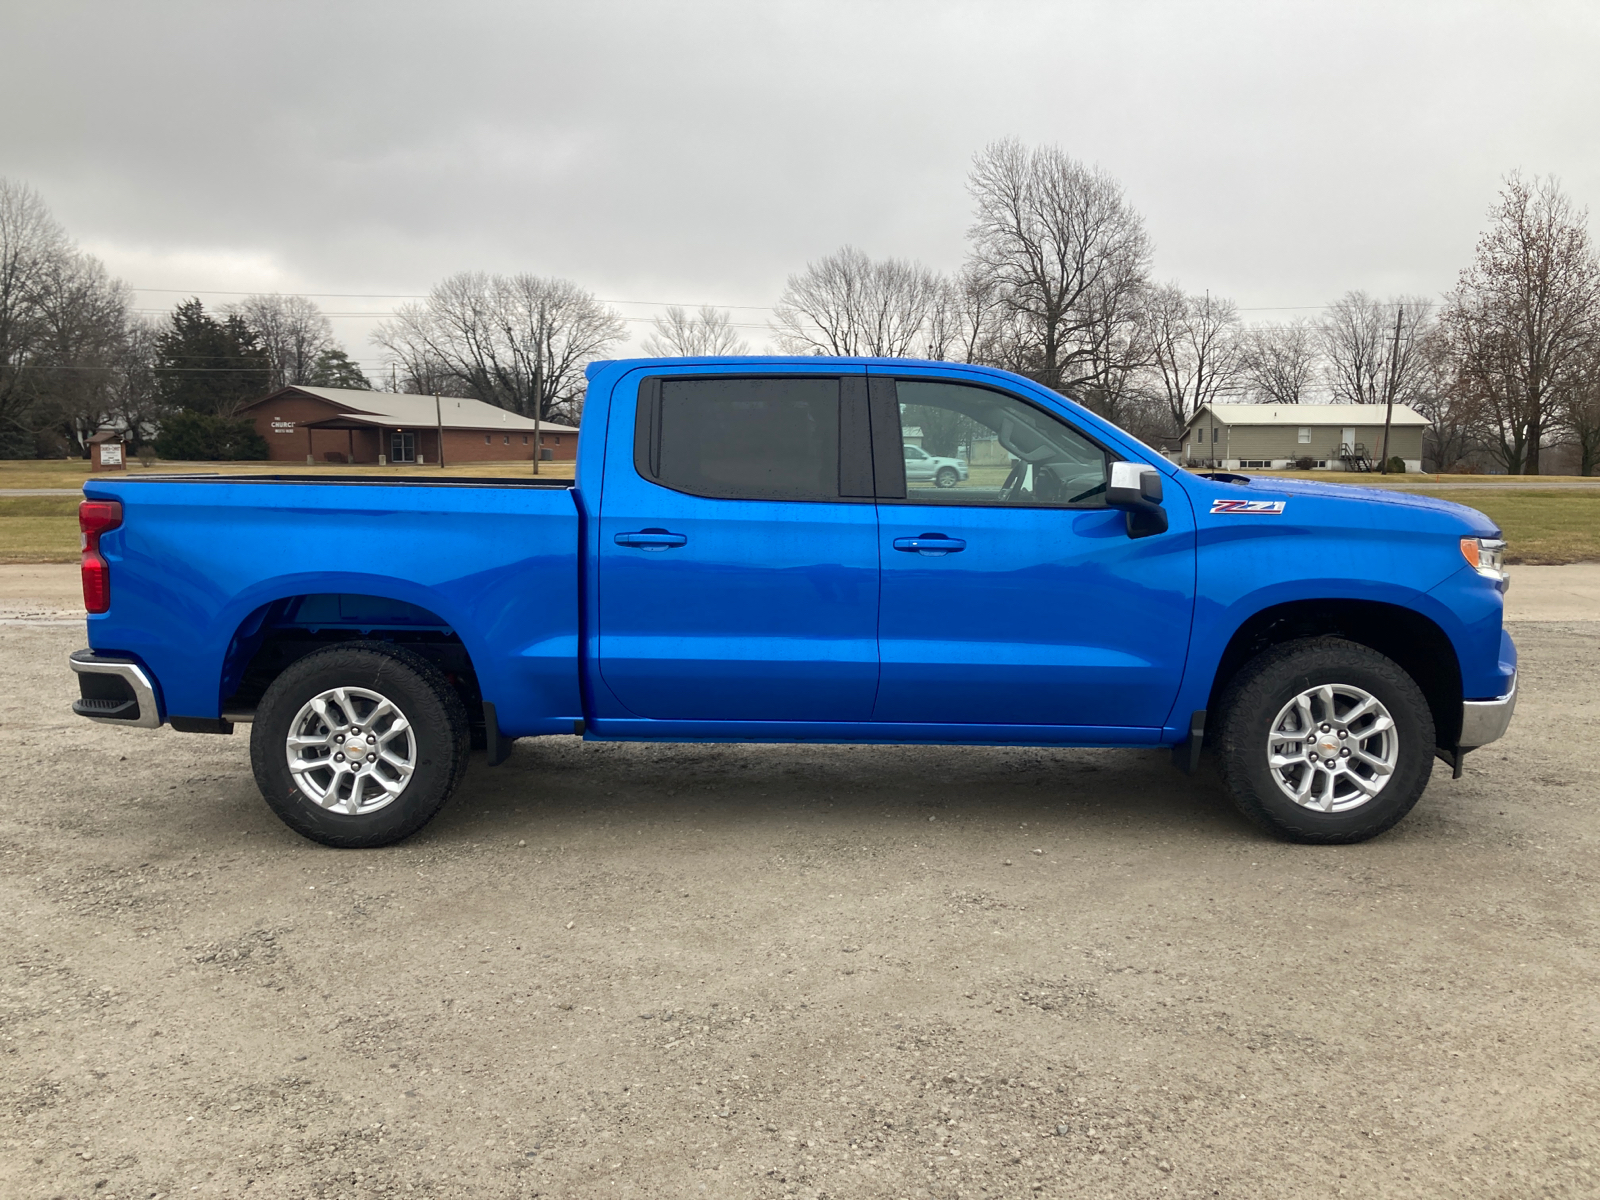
1397,466
1304,463
196,437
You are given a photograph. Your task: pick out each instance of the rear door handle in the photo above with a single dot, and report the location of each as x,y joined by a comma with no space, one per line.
651,539
930,545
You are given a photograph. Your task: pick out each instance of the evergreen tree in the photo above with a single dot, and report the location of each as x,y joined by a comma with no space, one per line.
208,366
334,369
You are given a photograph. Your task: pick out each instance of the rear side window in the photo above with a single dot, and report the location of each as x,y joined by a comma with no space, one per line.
741,439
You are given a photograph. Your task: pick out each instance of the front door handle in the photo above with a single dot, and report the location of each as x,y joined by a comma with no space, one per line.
651,539
930,545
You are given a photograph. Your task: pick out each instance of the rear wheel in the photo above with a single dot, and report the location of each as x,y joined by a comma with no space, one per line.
947,477
1325,740
359,744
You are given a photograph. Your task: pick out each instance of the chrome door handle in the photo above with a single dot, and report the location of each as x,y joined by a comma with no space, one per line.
651,539
930,545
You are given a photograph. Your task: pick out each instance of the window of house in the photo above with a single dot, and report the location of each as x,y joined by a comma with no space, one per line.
1305,435
487,439
524,439
1037,459
741,439
506,439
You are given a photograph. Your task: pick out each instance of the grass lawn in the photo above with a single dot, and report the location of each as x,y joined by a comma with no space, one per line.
70,473
1555,525
1550,527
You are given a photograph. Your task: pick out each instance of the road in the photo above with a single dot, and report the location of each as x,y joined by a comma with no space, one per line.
736,971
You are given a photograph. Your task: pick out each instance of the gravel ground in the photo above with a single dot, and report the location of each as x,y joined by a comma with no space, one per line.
778,971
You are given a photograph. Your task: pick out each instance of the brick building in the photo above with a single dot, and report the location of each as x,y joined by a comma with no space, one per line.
318,424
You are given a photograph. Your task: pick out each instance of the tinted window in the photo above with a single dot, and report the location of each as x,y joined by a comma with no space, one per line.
1001,450
742,439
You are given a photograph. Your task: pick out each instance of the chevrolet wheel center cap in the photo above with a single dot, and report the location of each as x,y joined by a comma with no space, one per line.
1328,744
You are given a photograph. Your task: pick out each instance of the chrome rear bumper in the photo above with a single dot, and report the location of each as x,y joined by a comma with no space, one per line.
115,706
1485,721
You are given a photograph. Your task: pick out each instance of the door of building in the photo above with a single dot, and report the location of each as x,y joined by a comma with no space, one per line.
402,446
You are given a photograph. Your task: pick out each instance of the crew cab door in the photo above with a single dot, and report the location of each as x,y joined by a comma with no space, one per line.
1017,597
738,550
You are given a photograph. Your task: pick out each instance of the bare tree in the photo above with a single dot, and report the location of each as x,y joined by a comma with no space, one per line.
706,333
1579,414
1280,363
848,304
1524,316
1366,362
292,330
1195,346
84,321
519,341
32,246
1063,248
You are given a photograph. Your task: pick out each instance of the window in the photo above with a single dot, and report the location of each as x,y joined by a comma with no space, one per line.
524,439
506,440
915,454
1305,435
402,446
741,439
986,447
487,438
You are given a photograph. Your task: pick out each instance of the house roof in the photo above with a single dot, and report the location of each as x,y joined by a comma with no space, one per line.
1342,415
397,410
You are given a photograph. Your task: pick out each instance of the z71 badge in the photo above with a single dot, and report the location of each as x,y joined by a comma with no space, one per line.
1271,508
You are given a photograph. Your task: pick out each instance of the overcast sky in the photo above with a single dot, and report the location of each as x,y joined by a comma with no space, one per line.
1281,153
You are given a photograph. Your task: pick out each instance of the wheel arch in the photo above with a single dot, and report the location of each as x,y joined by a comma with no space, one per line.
1416,643
276,634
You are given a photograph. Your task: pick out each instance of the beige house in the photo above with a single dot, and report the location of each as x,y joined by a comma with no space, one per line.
1335,437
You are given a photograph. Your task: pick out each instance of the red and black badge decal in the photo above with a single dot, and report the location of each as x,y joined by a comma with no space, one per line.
1271,508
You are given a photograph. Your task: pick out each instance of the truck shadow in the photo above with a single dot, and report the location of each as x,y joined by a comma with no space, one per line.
562,786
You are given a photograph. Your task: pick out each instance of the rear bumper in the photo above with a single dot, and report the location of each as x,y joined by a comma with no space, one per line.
116,691
1485,721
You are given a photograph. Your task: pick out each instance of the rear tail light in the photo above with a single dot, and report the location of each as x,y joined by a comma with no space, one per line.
94,518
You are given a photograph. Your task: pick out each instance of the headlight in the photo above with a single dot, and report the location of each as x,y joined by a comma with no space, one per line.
1487,556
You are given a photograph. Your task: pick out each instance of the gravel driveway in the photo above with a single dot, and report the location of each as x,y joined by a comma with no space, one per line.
731,971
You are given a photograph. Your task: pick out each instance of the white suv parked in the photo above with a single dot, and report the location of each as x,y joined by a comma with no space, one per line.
922,466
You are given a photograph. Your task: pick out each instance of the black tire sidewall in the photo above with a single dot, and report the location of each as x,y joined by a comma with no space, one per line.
423,696
1259,695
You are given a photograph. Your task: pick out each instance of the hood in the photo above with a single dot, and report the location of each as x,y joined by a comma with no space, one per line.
1475,521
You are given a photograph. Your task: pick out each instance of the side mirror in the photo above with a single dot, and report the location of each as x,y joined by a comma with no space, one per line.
1136,489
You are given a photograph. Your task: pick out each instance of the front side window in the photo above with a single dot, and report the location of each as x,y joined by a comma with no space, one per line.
741,439
996,449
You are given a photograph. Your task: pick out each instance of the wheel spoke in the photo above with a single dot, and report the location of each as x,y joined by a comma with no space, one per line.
1371,760
1280,762
1325,799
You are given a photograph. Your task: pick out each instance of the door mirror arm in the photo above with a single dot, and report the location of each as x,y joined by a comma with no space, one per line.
1135,488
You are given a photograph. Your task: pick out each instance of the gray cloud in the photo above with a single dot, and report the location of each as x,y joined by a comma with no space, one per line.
1281,153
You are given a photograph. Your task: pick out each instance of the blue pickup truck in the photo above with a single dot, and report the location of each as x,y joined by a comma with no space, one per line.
744,557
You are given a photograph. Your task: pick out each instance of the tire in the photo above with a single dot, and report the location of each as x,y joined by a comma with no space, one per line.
946,478
406,773
1358,785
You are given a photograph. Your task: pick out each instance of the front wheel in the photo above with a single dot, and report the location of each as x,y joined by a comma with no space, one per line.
1325,741
947,477
359,745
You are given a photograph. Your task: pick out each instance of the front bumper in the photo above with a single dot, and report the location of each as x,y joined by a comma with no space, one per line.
116,691
1485,721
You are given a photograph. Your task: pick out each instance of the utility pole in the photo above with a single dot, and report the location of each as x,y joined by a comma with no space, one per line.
438,418
538,400
1394,380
